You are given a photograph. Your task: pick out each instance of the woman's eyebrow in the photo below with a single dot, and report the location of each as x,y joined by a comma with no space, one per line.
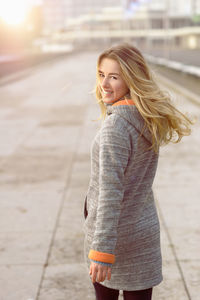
110,73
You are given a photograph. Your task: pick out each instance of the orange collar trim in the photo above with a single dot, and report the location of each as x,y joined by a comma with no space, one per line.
124,102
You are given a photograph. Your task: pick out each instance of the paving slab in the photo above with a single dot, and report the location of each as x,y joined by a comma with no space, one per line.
12,133
67,249
18,248
20,209
20,281
172,286
5,112
186,242
65,115
66,221
191,270
54,137
66,281
24,168
181,208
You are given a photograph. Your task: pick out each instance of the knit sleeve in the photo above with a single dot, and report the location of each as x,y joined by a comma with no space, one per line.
114,154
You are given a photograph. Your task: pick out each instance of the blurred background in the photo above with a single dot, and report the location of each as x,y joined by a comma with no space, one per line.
167,29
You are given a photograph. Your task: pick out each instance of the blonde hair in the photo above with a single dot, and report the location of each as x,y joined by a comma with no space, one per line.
165,122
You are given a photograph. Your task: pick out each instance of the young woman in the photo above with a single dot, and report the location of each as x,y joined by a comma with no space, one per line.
122,232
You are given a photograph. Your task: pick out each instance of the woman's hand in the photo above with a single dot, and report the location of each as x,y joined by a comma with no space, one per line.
99,272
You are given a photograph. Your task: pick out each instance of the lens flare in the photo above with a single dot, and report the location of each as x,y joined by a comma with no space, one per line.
14,12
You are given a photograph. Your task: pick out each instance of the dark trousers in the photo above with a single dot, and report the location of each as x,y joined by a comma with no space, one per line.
104,293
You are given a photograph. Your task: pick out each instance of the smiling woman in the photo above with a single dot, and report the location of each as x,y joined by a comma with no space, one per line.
122,230
14,12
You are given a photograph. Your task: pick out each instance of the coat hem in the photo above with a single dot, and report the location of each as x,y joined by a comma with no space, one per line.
133,288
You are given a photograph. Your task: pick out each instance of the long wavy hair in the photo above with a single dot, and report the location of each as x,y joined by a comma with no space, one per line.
165,122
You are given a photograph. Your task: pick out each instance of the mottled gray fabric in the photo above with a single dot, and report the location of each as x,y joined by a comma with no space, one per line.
122,217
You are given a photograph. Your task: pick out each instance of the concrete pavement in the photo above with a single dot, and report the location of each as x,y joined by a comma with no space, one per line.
47,124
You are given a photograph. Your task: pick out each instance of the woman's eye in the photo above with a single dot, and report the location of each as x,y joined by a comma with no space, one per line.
102,75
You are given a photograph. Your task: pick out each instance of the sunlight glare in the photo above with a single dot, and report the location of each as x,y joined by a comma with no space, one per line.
14,12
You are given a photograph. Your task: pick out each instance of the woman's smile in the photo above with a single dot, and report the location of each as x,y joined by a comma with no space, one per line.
107,93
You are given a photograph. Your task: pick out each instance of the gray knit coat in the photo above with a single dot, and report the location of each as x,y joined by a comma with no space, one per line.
122,217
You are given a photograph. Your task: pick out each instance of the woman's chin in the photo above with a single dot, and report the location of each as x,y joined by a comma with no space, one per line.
108,100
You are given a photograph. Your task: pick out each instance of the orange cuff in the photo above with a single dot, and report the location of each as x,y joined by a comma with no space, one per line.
101,256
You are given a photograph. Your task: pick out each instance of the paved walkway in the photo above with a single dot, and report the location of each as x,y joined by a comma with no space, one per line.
47,124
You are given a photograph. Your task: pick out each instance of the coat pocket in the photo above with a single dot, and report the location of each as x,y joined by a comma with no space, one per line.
85,208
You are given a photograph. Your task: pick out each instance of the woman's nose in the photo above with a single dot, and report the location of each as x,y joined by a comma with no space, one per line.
105,82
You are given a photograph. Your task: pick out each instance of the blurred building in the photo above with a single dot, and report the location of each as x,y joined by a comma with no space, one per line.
176,8
57,12
151,22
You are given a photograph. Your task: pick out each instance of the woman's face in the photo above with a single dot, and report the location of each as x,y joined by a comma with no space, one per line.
112,86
